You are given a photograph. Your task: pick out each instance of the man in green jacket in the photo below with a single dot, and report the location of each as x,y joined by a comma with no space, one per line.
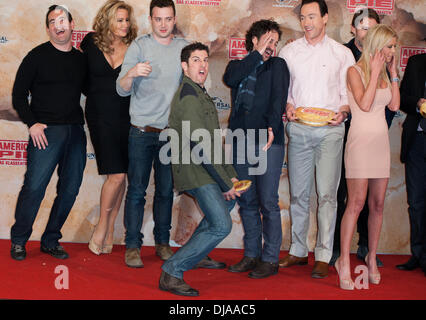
196,169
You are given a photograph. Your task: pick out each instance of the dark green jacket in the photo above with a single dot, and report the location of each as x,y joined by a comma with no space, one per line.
191,103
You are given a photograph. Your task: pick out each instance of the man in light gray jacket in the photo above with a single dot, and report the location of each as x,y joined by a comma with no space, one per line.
150,74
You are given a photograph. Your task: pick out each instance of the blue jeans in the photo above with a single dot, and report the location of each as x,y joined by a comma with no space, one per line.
144,148
261,198
67,149
213,228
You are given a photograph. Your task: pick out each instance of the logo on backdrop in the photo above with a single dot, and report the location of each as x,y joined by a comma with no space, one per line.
3,39
77,37
285,3
13,153
407,52
381,6
237,48
220,104
211,3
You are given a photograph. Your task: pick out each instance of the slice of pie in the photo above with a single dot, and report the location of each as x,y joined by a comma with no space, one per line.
242,185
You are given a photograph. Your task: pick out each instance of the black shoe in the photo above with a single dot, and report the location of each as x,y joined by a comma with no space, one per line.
57,252
18,252
411,264
362,253
264,269
176,286
246,264
209,263
336,254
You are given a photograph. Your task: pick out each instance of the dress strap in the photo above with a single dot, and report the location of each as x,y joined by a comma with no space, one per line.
361,73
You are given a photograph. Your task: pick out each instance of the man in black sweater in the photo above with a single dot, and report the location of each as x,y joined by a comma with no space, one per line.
53,73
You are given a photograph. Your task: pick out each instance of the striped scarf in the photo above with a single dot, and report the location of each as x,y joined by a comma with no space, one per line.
246,91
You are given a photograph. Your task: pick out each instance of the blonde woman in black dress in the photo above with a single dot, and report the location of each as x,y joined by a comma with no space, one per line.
107,113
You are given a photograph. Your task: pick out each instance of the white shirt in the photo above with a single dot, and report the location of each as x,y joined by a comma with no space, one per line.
317,73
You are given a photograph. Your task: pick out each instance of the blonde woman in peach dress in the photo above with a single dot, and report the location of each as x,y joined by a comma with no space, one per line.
367,154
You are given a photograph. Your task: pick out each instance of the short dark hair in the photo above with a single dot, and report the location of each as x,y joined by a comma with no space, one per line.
190,48
364,12
57,7
258,29
161,4
322,5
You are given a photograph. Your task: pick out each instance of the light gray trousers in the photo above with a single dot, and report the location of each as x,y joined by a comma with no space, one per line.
314,155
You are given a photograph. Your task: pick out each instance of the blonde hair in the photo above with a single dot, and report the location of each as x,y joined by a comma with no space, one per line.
375,40
104,21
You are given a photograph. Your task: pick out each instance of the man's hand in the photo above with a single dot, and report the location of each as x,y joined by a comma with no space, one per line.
290,112
140,70
231,194
38,136
270,139
262,45
338,118
420,102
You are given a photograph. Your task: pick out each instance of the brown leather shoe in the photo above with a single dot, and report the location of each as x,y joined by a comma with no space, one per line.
291,260
132,257
176,286
163,251
320,270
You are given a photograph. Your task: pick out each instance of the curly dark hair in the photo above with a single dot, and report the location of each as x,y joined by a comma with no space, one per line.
258,29
190,48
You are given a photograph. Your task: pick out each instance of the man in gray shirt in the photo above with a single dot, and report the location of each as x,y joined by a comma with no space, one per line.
150,74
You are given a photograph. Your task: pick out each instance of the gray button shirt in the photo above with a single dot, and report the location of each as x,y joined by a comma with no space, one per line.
151,96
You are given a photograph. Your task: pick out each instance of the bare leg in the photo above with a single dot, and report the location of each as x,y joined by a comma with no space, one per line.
376,200
112,190
109,238
357,192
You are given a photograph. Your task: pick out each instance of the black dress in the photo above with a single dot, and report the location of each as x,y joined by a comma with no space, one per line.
107,113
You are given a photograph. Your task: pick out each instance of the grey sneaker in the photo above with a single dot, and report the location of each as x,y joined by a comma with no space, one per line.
132,258
163,251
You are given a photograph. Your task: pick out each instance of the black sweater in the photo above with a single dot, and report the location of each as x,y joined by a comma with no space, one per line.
55,79
270,99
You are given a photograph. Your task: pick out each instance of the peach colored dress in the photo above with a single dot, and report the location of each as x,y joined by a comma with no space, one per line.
367,153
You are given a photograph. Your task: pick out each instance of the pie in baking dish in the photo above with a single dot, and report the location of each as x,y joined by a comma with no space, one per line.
315,117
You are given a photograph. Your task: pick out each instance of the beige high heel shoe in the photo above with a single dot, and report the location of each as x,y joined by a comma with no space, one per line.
107,248
374,278
94,247
345,284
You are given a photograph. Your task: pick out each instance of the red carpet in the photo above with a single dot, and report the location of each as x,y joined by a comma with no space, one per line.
107,277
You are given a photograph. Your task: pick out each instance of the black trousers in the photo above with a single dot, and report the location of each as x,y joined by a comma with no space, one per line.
415,175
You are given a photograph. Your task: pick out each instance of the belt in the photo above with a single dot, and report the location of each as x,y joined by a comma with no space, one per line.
148,129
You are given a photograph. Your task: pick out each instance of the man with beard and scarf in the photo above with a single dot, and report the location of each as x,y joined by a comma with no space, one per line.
259,85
